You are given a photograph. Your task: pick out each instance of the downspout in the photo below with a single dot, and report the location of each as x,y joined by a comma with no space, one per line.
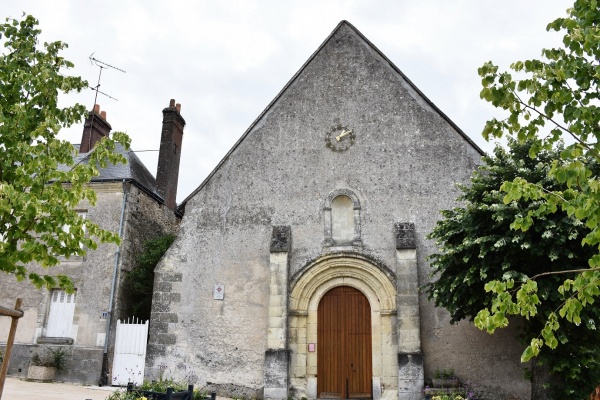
104,376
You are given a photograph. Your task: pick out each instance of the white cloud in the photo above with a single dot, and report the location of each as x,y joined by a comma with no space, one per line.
225,61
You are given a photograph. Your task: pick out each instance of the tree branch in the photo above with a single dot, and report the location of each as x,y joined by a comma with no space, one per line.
565,129
569,271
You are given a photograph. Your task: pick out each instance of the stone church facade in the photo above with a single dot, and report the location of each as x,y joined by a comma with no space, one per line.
298,262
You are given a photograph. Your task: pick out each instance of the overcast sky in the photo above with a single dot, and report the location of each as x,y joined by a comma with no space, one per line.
224,61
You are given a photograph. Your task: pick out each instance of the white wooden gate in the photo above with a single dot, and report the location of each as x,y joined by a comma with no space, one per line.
130,352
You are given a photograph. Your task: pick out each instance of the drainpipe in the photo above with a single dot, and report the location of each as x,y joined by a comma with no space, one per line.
104,375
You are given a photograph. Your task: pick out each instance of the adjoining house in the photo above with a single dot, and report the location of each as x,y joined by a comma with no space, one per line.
130,201
297,266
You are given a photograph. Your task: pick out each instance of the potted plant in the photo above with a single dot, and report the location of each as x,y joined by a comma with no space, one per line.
465,391
445,378
43,367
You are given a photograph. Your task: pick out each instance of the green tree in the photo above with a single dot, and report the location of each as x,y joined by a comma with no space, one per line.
477,245
139,282
555,96
40,185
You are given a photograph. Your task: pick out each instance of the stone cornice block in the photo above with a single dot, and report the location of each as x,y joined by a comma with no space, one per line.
281,239
405,235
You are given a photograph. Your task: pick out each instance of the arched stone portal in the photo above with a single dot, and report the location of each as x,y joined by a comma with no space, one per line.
310,285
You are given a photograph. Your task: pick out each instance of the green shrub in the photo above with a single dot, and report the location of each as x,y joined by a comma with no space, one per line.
139,282
160,386
122,394
56,358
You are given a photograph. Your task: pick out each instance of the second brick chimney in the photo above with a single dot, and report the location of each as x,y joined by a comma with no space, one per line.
94,129
167,173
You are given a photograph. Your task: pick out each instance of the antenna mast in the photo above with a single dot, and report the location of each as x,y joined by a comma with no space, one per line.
102,65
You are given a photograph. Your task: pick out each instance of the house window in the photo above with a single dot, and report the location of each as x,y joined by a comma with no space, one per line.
83,215
66,228
60,317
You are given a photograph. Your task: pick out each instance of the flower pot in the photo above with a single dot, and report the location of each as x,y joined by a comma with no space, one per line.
37,373
445,383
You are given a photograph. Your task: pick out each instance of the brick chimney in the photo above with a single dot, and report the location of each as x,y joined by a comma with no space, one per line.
94,129
167,173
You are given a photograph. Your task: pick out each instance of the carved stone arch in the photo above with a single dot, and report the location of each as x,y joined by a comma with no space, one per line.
345,192
374,274
329,239
310,284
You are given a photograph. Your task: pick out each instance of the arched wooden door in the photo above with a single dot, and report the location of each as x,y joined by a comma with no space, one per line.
344,358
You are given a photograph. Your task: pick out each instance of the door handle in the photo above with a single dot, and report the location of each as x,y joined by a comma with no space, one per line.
352,366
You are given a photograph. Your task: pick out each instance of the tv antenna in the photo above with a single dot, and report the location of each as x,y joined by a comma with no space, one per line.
102,65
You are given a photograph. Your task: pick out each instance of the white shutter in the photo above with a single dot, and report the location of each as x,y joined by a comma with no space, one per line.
60,317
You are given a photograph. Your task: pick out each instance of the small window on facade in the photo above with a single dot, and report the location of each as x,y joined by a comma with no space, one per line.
342,219
60,316
66,228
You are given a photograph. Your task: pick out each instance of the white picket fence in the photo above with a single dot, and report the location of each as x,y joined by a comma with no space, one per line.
130,352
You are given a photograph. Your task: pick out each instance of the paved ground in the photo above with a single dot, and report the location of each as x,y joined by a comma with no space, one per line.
17,389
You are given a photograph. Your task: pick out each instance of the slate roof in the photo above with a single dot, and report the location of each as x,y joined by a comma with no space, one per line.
133,171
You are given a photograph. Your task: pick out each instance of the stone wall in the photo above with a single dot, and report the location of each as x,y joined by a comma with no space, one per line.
82,366
402,166
145,220
92,276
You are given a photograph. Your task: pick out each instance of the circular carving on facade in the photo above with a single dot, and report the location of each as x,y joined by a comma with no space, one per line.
340,138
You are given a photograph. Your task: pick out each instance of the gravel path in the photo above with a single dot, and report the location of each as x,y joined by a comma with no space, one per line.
17,389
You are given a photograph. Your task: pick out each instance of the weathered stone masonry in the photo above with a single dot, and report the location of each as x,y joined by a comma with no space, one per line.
358,211
277,356
145,217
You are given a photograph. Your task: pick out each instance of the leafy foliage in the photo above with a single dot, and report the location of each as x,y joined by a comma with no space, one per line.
56,358
559,96
139,281
484,264
444,374
40,186
159,386
122,394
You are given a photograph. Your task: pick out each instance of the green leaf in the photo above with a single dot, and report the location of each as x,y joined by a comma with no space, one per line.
38,192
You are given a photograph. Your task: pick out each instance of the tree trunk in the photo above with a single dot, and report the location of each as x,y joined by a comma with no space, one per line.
540,377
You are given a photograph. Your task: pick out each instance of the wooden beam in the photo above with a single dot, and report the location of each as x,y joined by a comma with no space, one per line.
15,315
10,312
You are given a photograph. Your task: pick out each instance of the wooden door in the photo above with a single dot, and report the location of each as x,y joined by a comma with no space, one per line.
344,360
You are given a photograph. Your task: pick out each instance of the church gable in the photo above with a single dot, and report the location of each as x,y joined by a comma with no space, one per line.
347,81
336,184
348,120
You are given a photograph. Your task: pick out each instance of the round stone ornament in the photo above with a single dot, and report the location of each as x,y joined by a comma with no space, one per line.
340,138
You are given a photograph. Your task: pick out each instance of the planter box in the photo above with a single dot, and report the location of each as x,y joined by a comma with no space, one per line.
445,383
37,373
431,392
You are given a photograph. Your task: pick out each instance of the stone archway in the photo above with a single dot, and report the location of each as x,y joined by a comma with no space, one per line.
311,284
